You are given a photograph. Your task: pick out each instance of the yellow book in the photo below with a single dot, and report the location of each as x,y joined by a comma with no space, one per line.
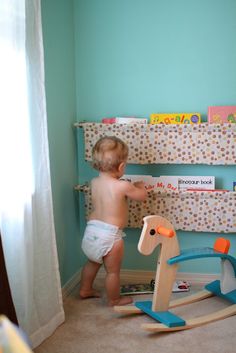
175,118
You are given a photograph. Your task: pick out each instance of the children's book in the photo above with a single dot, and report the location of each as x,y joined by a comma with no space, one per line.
182,182
196,182
173,183
147,179
222,114
148,288
138,288
175,118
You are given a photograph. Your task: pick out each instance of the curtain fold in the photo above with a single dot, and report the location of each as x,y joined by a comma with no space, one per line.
26,212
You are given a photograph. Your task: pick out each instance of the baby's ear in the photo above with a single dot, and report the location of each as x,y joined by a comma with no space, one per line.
121,166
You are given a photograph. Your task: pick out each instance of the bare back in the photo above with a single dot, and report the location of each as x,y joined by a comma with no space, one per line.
109,198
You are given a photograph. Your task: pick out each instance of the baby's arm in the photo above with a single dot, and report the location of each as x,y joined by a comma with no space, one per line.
135,191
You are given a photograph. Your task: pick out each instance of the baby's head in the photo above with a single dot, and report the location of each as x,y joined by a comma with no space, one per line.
108,153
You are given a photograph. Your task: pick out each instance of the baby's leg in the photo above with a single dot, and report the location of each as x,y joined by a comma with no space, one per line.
89,272
112,263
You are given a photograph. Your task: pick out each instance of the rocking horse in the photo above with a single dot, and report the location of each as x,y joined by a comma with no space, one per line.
159,231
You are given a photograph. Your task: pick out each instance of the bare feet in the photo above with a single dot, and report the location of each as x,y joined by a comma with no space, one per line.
121,301
85,294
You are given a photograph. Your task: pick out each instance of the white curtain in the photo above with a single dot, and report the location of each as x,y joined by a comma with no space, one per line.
26,215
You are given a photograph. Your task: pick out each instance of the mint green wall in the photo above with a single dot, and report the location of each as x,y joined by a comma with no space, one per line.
58,35
136,57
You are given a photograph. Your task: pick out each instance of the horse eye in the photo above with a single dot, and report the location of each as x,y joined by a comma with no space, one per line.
152,232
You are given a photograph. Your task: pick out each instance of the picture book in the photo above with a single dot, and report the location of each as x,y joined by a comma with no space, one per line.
190,182
147,179
175,118
138,288
222,114
173,183
196,182
148,288
166,183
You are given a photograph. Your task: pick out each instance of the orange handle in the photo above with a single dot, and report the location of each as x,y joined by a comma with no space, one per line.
169,233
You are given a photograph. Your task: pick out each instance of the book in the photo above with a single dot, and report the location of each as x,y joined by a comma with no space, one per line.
138,288
148,288
175,118
222,114
166,183
124,120
188,182
147,179
173,183
196,182
154,183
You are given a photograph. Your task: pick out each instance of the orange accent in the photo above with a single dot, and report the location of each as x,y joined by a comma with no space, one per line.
222,245
169,233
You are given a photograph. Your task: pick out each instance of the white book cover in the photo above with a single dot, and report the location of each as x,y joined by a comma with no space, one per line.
190,182
173,183
130,120
170,183
147,179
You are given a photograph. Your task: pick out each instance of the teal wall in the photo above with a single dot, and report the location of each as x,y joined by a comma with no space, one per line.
136,57
58,36
132,57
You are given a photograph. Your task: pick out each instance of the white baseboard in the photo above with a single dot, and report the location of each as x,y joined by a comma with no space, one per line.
140,276
68,288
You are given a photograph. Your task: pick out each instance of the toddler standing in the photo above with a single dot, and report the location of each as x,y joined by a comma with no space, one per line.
103,238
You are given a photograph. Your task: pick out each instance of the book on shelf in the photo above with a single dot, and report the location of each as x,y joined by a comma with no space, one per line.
182,182
147,179
196,182
125,120
175,118
153,183
222,114
173,183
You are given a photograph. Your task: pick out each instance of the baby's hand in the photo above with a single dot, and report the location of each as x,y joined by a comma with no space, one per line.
139,184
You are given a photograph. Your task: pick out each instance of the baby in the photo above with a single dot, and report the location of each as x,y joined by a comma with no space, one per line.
103,238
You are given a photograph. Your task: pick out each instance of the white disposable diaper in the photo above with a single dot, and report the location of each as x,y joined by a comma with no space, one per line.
99,238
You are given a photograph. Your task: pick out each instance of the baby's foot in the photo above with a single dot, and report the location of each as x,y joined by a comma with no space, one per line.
85,294
121,301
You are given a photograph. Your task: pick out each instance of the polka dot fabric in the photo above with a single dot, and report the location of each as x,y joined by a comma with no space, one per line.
190,211
179,144
164,144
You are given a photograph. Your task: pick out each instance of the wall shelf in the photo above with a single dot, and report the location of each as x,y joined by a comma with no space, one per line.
190,211
213,144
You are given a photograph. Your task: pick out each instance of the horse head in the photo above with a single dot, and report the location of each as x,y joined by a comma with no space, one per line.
155,230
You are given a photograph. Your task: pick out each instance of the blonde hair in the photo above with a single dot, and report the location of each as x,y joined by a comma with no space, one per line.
108,153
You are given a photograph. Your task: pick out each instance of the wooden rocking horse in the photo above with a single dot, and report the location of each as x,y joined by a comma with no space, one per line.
159,231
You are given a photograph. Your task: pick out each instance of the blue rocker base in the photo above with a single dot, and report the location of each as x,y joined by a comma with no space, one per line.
214,287
165,317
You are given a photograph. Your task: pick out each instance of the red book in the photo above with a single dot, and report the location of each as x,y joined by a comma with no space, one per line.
108,120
